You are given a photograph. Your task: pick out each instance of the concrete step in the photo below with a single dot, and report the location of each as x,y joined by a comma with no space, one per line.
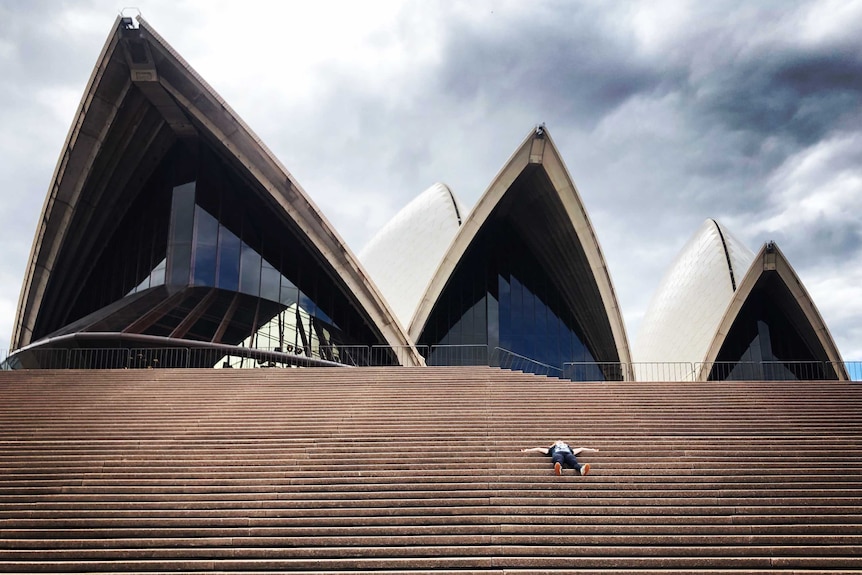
315,471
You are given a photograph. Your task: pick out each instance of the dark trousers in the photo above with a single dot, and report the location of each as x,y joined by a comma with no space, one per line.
566,459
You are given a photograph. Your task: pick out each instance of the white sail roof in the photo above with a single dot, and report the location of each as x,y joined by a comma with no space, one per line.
684,314
402,257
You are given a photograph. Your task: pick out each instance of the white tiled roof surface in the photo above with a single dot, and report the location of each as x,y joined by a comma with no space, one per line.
403,256
684,314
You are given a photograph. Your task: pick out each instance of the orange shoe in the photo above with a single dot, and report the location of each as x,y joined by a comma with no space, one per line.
558,469
585,468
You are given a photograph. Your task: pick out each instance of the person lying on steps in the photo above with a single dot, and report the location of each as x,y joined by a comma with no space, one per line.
562,453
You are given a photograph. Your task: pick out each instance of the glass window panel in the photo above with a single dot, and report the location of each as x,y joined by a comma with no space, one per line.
561,338
302,325
291,328
543,343
306,305
505,312
528,333
249,279
571,351
229,247
321,315
181,255
145,284
493,323
466,320
205,253
555,338
182,227
480,322
289,294
267,333
270,282
452,328
518,317
158,275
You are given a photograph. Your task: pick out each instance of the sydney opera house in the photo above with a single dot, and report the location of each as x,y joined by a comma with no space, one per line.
171,235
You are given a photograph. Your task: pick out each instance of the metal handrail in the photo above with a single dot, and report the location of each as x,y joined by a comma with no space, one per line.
596,371
767,370
383,355
662,371
455,354
523,362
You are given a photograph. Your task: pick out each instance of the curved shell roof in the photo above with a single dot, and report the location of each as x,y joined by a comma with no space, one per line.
684,314
180,105
581,260
402,256
768,260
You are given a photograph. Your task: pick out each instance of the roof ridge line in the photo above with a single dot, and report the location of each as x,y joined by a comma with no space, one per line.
726,254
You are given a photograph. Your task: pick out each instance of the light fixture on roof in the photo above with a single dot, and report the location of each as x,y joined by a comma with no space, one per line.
128,21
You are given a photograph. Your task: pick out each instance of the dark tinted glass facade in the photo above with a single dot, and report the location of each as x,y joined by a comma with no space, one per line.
222,264
771,339
501,302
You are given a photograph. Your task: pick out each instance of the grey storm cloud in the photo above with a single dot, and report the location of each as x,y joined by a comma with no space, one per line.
790,94
578,71
834,240
738,121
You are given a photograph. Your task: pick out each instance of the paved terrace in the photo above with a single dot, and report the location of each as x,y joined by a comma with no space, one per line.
408,470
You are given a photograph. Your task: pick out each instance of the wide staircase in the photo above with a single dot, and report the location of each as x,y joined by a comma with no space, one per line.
407,470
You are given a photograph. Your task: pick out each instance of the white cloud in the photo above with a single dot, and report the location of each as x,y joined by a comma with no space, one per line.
287,50
837,293
61,102
822,181
828,21
7,50
657,26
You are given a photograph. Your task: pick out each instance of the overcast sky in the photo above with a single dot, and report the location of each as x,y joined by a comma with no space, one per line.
666,113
